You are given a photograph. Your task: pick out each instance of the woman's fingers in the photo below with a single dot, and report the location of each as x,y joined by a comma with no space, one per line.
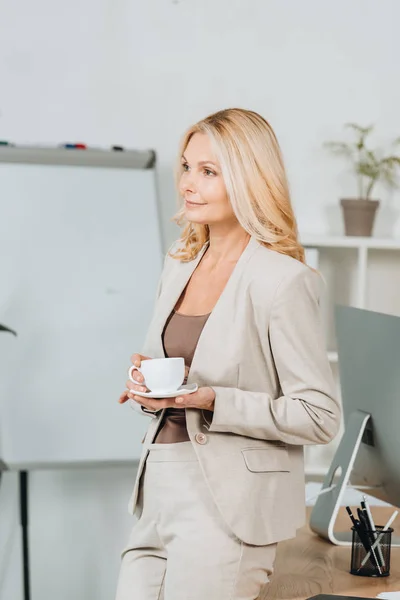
137,376
149,403
156,404
135,387
123,397
136,359
129,394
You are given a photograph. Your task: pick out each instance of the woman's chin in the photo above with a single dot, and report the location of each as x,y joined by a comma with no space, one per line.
194,217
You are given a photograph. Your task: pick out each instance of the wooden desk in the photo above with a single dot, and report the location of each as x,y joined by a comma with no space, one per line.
309,565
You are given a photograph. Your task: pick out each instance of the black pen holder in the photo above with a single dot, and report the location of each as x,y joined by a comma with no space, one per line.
378,562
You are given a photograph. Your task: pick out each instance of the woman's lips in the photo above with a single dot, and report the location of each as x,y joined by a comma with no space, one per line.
194,203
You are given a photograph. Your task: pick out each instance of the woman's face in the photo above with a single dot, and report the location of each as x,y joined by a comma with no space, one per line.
201,184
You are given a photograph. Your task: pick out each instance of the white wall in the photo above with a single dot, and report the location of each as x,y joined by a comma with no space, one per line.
137,73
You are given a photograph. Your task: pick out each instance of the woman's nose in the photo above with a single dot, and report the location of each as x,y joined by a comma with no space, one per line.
187,182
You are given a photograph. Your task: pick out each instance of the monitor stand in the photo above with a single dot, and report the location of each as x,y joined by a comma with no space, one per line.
324,513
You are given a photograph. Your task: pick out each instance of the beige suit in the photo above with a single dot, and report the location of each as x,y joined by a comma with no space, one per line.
263,351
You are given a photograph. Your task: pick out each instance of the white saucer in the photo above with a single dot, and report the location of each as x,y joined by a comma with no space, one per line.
182,391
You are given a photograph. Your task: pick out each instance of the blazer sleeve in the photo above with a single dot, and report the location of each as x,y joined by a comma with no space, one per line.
142,410
308,411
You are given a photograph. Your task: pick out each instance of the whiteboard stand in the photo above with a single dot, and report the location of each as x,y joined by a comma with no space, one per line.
24,524
23,505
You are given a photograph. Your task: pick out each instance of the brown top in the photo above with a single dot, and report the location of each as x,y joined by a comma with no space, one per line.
180,336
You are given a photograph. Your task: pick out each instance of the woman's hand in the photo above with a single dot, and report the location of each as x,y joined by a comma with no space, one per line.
136,360
202,399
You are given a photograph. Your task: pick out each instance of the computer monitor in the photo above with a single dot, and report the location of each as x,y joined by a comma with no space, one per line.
369,453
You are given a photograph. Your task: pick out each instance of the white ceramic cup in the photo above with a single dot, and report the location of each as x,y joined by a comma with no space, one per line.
161,374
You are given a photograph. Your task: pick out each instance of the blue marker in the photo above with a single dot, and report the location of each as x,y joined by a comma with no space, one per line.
74,146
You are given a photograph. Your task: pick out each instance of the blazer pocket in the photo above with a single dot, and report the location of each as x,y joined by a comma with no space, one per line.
264,460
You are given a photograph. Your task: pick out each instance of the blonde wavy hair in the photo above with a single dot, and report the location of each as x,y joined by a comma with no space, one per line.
254,175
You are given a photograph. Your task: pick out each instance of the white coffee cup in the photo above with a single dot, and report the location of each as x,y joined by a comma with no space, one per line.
161,374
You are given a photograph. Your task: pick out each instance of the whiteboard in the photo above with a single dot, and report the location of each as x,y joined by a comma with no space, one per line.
80,258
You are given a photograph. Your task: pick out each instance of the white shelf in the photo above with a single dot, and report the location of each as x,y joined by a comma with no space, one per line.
322,255
314,471
320,241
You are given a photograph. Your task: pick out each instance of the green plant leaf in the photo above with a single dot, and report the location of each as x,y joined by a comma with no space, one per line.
372,158
369,166
389,178
367,169
392,161
339,148
364,131
388,166
362,134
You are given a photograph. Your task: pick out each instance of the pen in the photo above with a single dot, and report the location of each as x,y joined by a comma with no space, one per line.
361,534
380,536
364,527
366,508
361,517
351,516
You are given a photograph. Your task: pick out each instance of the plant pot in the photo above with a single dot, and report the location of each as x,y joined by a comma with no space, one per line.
359,216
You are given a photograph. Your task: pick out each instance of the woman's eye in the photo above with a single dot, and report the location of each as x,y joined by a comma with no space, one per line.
208,172
185,167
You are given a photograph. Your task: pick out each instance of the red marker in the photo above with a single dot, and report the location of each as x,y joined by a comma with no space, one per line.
70,146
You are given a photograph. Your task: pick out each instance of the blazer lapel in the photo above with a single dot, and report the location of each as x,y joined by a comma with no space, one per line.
173,291
224,309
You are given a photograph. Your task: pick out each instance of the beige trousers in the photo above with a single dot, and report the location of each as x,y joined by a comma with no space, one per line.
180,548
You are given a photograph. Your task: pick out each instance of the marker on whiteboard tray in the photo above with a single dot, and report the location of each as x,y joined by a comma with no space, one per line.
74,146
117,148
5,143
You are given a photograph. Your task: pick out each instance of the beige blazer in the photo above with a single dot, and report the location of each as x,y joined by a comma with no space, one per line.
263,351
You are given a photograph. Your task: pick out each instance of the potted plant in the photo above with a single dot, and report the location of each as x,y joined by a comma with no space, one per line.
370,166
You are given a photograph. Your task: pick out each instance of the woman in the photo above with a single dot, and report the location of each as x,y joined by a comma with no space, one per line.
221,477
